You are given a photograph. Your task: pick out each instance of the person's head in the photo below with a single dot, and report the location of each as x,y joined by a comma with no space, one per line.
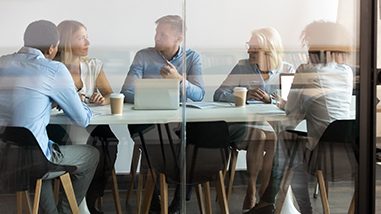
326,42
169,32
74,41
265,49
42,35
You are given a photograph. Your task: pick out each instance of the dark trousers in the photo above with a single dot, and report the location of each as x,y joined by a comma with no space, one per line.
107,144
299,182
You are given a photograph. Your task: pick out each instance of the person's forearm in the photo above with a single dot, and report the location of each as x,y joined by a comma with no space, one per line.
194,92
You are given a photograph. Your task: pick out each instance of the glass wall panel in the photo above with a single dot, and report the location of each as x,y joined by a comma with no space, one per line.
271,93
265,53
118,38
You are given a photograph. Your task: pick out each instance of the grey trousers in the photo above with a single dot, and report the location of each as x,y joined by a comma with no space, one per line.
86,159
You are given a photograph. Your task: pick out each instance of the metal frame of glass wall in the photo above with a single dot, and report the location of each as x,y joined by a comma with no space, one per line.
366,102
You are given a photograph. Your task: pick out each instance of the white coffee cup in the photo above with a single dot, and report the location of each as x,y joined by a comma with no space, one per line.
240,96
116,103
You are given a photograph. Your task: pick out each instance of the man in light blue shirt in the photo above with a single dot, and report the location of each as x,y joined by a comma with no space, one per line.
30,84
165,60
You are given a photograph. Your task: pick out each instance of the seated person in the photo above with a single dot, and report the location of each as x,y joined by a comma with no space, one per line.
165,61
321,93
91,83
260,74
41,82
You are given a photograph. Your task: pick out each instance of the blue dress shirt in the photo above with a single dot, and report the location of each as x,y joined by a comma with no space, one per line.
147,64
29,84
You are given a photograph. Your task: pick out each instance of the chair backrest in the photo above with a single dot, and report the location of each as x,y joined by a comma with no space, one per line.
337,132
207,153
340,131
22,160
214,134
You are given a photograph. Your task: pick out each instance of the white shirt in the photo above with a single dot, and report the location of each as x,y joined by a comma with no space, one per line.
320,93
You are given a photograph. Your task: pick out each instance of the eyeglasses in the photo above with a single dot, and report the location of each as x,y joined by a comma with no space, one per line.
253,47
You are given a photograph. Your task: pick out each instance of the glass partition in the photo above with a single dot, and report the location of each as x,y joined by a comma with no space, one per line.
259,106
266,53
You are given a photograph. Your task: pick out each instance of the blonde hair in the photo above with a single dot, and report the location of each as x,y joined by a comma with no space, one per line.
67,29
270,41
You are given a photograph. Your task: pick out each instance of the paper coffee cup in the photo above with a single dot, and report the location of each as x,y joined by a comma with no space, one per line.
240,96
116,103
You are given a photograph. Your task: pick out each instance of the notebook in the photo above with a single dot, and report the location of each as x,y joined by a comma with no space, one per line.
156,94
285,82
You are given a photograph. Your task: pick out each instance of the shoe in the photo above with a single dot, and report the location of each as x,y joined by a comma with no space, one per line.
267,209
94,210
155,205
244,211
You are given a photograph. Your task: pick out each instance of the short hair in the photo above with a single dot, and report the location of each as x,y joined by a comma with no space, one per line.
175,21
326,41
67,29
270,40
41,35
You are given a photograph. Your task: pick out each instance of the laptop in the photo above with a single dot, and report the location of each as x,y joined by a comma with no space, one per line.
285,82
156,94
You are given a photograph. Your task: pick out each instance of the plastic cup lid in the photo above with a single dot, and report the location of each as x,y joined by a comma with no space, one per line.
240,89
116,95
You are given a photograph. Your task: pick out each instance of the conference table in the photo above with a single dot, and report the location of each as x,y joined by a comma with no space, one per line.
216,111
212,111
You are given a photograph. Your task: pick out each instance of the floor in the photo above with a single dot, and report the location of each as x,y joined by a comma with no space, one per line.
340,192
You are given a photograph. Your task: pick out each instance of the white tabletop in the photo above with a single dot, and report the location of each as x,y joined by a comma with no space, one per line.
224,111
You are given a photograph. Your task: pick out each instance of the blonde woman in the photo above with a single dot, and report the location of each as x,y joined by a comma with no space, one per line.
260,75
94,88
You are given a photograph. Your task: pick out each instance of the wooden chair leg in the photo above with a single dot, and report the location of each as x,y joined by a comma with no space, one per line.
37,195
207,198
19,202
163,194
149,189
352,206
68,188
232,167
115,192
139,193
28,203
323,192
23,200
133,168
56,189
200,198
220,186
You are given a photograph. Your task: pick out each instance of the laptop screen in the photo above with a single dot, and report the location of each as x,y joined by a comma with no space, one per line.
157,94
285,82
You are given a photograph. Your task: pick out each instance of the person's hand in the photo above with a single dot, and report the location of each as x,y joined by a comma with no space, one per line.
259,94
169,71
281,103
82,97
55,105
97,98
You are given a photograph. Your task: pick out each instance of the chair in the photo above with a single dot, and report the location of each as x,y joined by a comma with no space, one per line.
135,131
23,161
139,130
338,131
105,136
207,152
